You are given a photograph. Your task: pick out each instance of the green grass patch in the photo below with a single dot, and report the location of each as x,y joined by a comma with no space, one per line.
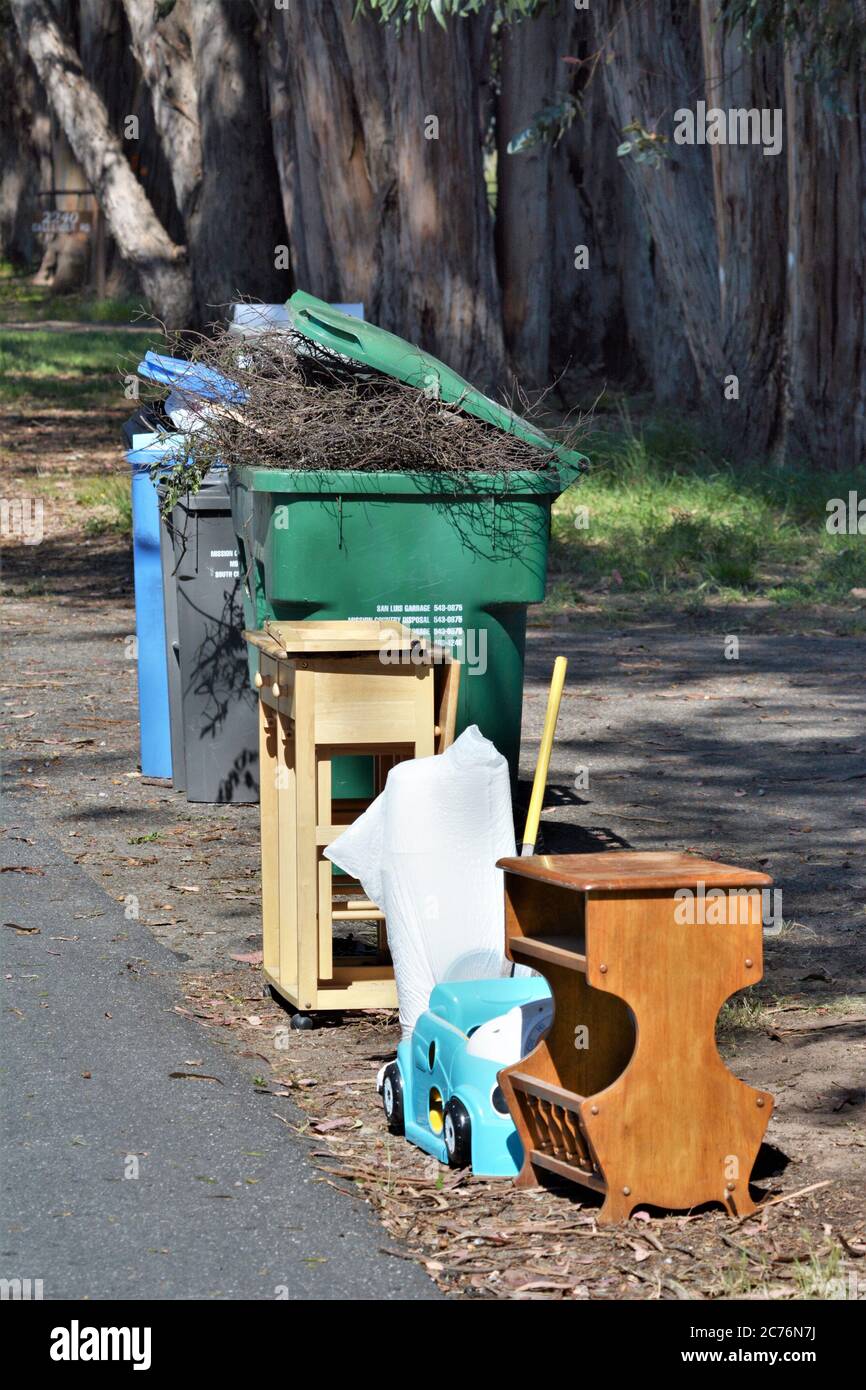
66,369
21,301
746,1013
663,514
110,500
824,1275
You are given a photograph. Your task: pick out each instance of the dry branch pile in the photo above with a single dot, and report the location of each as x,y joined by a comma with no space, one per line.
295,406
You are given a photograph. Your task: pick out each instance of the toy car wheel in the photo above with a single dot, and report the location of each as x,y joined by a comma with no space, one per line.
457,1134
392,1098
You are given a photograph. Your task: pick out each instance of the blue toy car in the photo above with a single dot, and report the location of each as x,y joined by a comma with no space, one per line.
443,1092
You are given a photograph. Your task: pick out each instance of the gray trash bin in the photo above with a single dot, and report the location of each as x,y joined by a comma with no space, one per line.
172,655
218,721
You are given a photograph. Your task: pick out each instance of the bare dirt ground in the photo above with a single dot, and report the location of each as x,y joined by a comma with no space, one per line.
663,743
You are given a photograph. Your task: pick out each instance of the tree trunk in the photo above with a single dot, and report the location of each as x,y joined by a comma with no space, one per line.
109,58
105,49
163,52
588,333
615,319
238,224
445,278
653,348
377,211
140,236
826,337
750,226
331,124
651,64
716,213
24,141
528,70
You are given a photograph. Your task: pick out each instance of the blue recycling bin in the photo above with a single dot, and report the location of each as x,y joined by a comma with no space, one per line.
157,626
155,733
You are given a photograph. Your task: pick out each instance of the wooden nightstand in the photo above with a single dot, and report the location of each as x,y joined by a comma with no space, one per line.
627,1094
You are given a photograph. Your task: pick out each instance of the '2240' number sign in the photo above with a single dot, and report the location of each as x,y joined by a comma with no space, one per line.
63,223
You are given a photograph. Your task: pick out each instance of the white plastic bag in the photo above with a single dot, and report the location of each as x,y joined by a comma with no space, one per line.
186,411
426,852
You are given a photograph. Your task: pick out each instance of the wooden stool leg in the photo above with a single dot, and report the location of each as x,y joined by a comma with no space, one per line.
382,764
287,850
447,683
325,881
307,856
269,813
425,735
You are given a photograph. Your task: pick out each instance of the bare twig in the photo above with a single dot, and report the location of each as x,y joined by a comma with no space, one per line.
283,403
785,1197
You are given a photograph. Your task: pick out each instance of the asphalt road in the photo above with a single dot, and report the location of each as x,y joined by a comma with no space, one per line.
119,1180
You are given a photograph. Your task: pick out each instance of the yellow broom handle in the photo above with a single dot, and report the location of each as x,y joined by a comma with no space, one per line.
560,666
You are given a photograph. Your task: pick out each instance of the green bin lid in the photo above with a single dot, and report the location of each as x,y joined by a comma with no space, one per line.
384,352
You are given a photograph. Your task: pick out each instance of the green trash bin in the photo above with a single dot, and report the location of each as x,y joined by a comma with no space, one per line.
458,559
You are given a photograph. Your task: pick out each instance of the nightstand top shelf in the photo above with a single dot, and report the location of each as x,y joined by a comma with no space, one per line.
617,871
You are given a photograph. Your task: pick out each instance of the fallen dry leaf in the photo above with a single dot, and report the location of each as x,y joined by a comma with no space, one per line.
640,1252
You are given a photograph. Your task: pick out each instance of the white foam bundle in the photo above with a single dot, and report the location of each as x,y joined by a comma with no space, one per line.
425,851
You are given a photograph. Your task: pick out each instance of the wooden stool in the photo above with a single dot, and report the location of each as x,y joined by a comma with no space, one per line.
627,1094
328,689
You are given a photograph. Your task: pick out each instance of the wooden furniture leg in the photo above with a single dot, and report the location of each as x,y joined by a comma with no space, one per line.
268,763
287,852
307,853
324,889
447,696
